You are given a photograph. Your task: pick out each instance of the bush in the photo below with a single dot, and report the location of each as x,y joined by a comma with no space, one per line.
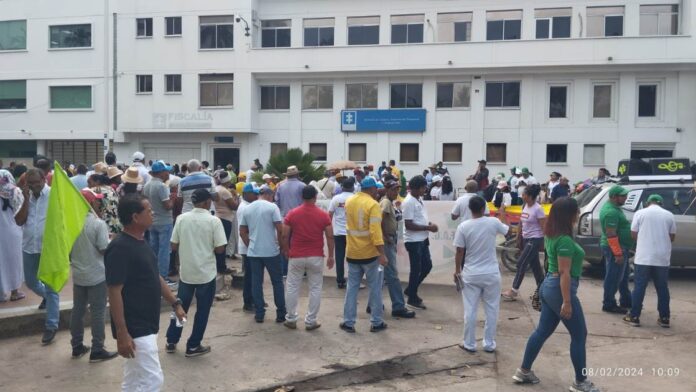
309,172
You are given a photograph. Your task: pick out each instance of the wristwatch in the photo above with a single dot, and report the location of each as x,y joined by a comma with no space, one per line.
177,302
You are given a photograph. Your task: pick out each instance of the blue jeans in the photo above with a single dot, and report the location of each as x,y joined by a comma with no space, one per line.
31,270
340,256
273,266
391,277
421,264
616,279
659,275
551,300
160,237
205,294
374,284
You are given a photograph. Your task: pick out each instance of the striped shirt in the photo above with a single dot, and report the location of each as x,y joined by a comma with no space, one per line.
193,181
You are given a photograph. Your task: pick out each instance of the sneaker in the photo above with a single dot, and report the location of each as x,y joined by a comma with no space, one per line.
521,377
226,271
614,309
48,336
170,348
509,295
290,324
248,308
585,386
362,286
416,304
403,313
632,321
663,322
280,319
101,356
79,351
312,327
197,351
347,328
342,285
470,351
377,328
42,305
258,319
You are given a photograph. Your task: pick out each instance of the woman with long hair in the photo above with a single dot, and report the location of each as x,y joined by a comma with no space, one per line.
502,200
447,191
100,184
559,296
11,268
530,240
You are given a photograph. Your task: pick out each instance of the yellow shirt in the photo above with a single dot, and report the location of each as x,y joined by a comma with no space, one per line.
271,185
396,172
239,187
363,227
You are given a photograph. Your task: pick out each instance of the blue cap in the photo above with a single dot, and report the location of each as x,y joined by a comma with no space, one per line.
368,182
159,167
380,186
249,187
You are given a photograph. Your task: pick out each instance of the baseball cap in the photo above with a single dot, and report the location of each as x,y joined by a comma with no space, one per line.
618,190
655,198
482,161
380,186
250,188
265,189
159,167
368,182
138,156
200,195
90,196
437,178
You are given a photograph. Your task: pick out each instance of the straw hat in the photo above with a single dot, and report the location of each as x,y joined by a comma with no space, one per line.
113,171
292,171
132,176
100,167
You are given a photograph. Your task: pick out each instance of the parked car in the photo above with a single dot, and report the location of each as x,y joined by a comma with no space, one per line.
679,198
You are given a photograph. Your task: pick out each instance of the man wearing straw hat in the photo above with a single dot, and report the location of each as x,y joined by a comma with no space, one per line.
288,195
162,222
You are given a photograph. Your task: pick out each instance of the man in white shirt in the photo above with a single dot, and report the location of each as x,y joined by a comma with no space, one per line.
461,206
32,217
554,179
477,273
337,212
249,194
197,236
138,161
416,228
526,180
654,229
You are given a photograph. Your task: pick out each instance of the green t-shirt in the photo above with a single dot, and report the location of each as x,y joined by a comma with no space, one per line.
612,216
564,246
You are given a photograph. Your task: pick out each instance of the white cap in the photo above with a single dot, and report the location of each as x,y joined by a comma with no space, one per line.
267,176
437,178
138,156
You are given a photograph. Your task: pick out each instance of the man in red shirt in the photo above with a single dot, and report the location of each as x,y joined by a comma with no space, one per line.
304,247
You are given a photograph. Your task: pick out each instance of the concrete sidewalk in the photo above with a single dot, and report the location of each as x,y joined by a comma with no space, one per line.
417,354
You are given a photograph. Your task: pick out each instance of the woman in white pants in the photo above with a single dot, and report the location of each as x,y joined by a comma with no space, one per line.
477,273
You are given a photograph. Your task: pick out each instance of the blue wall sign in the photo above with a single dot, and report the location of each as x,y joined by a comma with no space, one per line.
395,120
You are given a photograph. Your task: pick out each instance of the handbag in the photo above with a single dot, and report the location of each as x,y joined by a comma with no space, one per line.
536,301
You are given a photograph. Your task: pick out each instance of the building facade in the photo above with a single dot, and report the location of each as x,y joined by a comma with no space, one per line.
566,86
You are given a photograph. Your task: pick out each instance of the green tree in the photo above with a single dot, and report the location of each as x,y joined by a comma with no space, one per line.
278,165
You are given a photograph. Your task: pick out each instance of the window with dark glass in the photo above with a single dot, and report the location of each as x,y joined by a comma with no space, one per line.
71,36
363,30
172,83
454,27
319,32
451,152
496,152
217,32
275,33
553,22
278,148
556,153
558,101
408,152
317,97
13,35
406,95
601,102
318,150
647,100
357,152
361,96
503,25
143,27
13,94
275,97
502,94
453,95
605,21
143,84
71,97
407,29
172,25
216,89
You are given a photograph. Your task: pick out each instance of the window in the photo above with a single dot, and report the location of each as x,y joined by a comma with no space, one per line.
71,97
172,25
75,150
143,27
407,29
453,95
275,33
319,32
605,21
496,152
18,148
454,27
556,153
143,84
558,101
317,97
13,94
408,152
278,148
71,36
503,25
553,23
318,150
452,152
593,154
678,201
361,96
659,19
502,94
602,101
216,32
13,35
172,84
275,97
216,89
363,30
647,100
406,95
357,152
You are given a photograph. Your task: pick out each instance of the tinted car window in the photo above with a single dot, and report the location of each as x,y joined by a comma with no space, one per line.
679,201
587,196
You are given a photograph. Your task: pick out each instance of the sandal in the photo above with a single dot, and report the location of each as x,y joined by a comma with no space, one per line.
17,296
509,296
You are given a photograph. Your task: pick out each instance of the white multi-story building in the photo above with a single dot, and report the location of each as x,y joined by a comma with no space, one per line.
564,86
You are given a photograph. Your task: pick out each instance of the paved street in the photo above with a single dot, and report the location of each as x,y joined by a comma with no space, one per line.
412,355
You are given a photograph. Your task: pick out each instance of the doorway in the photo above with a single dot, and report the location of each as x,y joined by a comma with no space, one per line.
224,156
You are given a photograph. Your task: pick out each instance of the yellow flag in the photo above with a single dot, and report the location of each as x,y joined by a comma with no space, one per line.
67,211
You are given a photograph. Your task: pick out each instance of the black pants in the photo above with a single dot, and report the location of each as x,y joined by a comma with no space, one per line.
421,264
220,257
529,255
340,254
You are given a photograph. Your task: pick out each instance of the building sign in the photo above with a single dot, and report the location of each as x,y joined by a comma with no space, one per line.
182,120
396,120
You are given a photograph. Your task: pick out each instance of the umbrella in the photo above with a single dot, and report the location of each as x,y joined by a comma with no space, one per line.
343,165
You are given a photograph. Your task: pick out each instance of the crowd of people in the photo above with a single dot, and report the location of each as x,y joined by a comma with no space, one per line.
152,222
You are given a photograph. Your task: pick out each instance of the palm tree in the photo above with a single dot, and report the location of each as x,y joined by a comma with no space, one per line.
278,164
